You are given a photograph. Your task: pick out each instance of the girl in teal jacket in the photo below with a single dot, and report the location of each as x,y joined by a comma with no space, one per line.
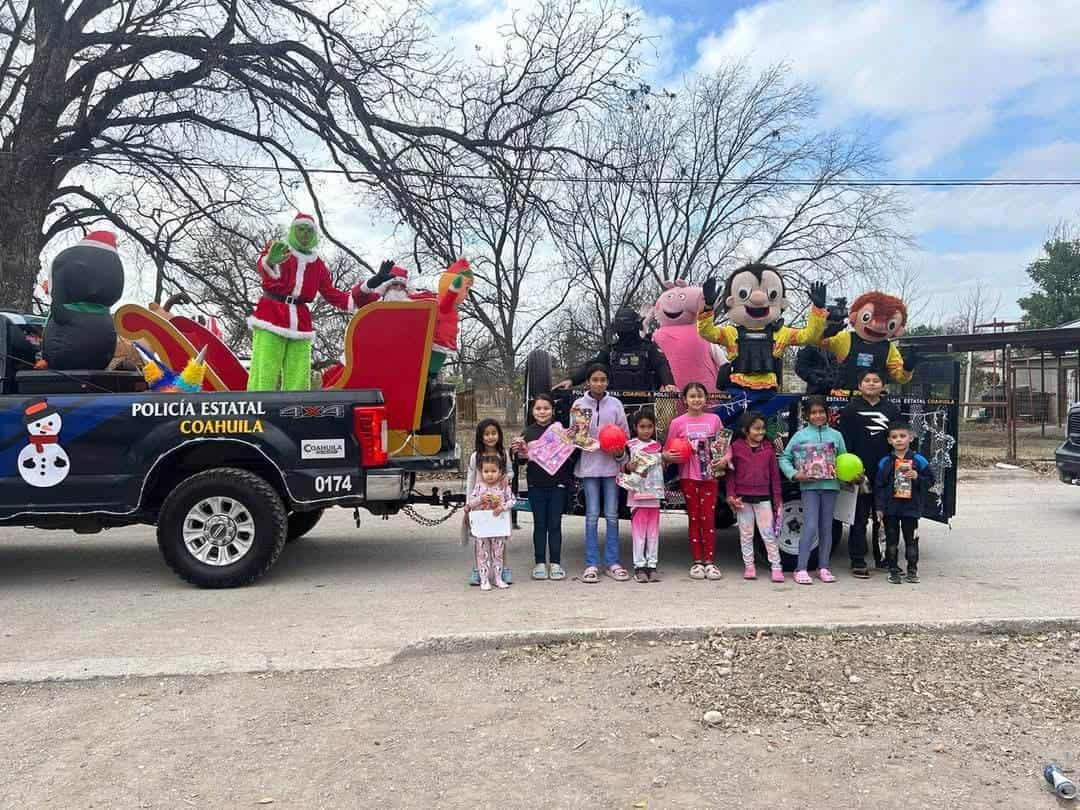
810,459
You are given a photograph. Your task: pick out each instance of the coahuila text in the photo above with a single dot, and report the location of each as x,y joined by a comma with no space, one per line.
201,426
211,408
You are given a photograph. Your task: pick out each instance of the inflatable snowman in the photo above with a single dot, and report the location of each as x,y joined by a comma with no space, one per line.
43,462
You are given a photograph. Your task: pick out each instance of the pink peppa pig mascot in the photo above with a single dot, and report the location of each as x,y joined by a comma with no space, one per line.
691,357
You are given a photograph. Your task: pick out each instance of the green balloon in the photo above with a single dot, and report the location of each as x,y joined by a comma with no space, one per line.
848,467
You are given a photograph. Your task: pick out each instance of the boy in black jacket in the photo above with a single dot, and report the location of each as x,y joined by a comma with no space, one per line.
864,423
900,485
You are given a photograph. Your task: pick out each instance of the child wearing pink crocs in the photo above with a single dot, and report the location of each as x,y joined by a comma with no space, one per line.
753,492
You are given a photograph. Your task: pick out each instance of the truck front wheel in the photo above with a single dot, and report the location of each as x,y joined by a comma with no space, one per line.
222,528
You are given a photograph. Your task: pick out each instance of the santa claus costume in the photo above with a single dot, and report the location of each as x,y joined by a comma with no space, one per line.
391,283
292,275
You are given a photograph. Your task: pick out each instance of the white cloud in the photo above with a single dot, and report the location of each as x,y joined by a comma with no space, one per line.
942,71
1005,209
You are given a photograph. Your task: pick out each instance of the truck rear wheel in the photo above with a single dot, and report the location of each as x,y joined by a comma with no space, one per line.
790,530
537,374
300,523
222,528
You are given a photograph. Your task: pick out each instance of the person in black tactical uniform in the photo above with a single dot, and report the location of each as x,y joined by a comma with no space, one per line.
636,363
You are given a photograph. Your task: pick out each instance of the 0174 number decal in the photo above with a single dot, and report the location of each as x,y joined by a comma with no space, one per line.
329,484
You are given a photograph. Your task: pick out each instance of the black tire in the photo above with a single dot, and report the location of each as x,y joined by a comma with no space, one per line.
300,523
251,500
537,374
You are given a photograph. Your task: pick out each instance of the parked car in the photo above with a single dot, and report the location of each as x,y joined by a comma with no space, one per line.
1067,456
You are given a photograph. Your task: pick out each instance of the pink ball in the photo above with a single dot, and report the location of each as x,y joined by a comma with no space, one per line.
612,439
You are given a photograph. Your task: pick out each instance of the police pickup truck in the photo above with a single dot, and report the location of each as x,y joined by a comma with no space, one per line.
227,478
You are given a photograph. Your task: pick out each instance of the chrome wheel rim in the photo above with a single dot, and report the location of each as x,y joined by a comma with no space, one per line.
219,531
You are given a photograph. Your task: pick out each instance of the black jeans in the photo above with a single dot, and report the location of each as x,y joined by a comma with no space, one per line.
547,505
893,526
864,511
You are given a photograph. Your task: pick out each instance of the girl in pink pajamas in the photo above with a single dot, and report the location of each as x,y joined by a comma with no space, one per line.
492,492
644,499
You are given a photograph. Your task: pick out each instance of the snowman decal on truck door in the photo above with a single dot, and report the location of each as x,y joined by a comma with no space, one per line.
43,462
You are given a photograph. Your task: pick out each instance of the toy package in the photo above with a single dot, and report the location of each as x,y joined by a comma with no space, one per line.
816,461
552,449
580,420
901,483
719,448
646,476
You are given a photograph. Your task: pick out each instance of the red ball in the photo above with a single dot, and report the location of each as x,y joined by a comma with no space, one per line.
612,439
680,448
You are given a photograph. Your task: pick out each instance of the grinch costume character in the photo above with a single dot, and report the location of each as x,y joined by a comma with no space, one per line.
281,330
876,320
754,300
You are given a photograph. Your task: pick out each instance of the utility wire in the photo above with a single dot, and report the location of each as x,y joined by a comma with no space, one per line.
673,181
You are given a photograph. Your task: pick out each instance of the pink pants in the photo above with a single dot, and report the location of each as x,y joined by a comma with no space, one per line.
763,514
645,528
489,558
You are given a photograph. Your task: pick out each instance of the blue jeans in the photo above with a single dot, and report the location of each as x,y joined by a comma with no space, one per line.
547,505
818,506
595,490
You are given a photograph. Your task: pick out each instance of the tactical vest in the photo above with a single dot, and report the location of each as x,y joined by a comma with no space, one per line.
755,351
862,357
630,368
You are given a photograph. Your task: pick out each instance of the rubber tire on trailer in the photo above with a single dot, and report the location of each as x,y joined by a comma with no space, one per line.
253,492
300,523
537,374
790,529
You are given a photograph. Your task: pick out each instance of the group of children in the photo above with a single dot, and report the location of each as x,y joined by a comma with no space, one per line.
891,491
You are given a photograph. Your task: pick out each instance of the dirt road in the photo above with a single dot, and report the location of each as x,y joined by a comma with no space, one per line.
346,597
849,721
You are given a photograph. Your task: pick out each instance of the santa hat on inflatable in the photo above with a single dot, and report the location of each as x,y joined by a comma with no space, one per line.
96,252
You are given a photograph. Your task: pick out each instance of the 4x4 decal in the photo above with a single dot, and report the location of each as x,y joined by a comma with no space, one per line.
313,411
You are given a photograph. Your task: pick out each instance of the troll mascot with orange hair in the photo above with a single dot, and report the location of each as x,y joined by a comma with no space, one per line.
876,320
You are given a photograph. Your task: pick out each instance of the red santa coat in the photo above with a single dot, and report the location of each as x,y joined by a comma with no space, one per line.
298,280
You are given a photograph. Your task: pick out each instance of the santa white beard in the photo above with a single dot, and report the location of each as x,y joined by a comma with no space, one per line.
396,293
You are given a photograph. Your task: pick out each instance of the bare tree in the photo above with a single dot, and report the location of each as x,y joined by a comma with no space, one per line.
721,172
187,94
568,55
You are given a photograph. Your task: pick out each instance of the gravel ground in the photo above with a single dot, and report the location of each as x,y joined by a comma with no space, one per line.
866,721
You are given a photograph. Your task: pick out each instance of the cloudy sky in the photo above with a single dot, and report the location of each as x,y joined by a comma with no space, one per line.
948,89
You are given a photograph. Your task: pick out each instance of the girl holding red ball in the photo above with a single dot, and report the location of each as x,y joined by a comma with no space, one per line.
689,441
597,470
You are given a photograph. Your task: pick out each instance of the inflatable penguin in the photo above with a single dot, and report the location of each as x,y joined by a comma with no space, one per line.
87,279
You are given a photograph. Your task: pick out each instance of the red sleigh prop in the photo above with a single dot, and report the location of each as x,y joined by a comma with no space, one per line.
388,347
219,357
136,323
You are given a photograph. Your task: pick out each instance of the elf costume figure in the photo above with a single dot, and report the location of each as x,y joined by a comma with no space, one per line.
454,285
281,329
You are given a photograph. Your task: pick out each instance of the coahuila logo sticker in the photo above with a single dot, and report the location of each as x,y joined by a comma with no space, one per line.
322,448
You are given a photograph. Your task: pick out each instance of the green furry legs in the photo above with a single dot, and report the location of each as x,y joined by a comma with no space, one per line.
277,359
